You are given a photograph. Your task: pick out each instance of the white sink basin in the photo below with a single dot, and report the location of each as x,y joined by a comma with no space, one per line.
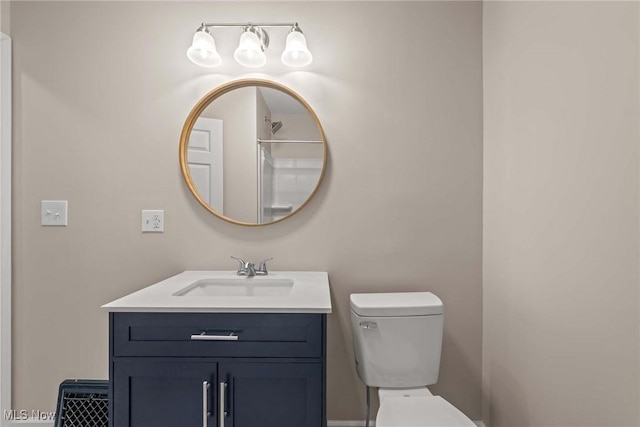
240,287
226,292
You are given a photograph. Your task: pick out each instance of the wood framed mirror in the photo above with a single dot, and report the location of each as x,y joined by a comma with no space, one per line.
253,152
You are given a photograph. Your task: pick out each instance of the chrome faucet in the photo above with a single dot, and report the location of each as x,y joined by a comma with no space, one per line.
248,268
245,268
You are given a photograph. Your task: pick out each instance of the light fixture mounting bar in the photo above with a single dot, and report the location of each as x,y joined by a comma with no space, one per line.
251,24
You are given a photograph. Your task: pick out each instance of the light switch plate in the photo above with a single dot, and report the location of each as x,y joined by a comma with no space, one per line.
54,212
153,221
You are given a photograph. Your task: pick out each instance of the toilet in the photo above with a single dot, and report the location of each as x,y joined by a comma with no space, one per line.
397,339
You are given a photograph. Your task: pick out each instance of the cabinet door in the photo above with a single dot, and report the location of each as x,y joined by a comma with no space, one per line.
149,393
272,394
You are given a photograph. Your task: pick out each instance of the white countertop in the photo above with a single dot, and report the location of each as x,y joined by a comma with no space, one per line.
309,294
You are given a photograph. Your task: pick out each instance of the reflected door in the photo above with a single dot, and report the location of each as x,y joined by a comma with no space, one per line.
205,160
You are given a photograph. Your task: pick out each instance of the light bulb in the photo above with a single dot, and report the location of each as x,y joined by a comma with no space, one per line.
296,53
250,52
203,49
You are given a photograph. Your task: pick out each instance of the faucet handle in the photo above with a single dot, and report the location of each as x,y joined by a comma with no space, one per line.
242,263
262,267
240,260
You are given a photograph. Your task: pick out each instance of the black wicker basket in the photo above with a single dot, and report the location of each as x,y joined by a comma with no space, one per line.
83,403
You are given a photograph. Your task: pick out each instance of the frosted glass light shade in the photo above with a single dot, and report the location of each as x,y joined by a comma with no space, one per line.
249,52
203,50
296,53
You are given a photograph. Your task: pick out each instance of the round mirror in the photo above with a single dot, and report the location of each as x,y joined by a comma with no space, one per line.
253,152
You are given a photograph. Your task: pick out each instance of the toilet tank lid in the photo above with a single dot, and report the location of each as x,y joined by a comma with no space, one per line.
391,304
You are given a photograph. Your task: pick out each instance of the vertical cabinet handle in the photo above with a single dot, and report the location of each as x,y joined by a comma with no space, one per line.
222,410
205,403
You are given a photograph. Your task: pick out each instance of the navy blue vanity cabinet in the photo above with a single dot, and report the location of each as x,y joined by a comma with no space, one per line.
272,394
217,370
154,393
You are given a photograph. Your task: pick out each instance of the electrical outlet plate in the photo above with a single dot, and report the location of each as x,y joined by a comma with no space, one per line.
153,221
54,213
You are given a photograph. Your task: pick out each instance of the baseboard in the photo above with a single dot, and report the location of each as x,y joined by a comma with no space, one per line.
339,423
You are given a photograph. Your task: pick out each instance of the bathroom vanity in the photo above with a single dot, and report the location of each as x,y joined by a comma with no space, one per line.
213,349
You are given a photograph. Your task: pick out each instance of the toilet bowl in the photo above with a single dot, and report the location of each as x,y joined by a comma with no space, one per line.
417,408
398,341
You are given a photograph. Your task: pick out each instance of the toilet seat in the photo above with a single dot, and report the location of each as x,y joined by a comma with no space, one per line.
420,411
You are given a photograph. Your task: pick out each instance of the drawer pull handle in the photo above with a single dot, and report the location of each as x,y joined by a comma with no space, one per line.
204,337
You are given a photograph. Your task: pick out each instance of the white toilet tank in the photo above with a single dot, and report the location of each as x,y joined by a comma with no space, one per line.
397,338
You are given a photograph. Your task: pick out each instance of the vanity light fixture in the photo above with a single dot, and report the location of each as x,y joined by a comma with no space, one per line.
296,53
203,49
250,52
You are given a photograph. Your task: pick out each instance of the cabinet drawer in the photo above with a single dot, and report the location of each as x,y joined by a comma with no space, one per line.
217,335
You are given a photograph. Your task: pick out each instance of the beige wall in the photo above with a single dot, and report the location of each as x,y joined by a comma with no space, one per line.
561,110
102,90
5,14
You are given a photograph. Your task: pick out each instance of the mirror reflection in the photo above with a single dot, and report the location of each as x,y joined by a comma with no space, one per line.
255,154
